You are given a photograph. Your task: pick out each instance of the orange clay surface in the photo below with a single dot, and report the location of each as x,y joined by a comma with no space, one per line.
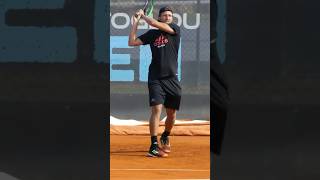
189,158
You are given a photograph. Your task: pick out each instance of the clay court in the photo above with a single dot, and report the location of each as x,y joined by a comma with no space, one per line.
189,159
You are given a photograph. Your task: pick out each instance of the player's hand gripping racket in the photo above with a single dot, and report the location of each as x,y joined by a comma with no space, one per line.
147,8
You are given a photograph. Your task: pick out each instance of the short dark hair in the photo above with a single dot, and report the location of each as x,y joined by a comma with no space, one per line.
165,8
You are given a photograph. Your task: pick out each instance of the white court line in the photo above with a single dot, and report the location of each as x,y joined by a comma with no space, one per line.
190,170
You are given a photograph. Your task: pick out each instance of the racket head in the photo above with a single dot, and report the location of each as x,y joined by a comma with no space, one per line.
148,9
145,5
146,2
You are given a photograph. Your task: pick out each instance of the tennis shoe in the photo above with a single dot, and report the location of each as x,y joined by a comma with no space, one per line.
165,144
156,151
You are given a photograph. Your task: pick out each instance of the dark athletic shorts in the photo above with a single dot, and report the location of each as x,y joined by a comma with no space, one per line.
166,91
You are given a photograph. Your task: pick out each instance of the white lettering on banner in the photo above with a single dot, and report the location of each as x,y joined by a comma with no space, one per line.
188,26
181,21
120,15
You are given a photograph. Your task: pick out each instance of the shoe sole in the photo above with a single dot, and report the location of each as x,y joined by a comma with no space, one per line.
154,156
165,150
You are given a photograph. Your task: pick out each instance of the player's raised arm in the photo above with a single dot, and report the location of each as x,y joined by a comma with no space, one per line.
160,25
133,40
165,18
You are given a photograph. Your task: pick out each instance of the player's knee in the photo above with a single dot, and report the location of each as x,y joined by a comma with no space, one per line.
171,114
156,110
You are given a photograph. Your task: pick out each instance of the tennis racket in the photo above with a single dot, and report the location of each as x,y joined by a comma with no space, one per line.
148,7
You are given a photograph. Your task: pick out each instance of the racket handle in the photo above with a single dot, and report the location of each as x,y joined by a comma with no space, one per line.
144,11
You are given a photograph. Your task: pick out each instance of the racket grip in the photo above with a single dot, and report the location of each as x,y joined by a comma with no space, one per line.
136,15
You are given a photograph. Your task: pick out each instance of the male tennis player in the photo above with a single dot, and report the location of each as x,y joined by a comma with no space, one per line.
164,87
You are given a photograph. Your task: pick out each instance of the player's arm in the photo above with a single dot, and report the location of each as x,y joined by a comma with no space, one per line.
133,40
160,25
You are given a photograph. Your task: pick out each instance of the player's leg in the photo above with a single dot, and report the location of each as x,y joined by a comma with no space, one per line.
164,139
172,90
155,119
156,100
154,150
171,117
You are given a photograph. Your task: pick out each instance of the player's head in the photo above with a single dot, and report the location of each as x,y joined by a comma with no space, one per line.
165,15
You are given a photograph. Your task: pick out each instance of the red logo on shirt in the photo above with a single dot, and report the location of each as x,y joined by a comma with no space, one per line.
160,41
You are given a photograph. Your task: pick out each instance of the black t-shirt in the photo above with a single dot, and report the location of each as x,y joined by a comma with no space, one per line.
164,48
